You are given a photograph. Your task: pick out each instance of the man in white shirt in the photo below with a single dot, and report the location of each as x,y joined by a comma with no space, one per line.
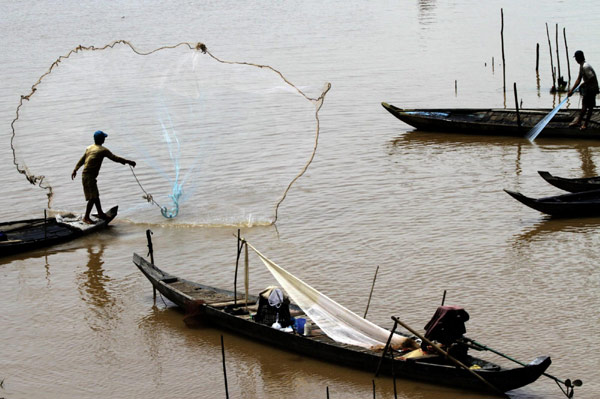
588,90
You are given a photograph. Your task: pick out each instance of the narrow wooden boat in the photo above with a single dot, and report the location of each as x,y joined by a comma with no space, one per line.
575,185
498,122
218,306
26,235
583,204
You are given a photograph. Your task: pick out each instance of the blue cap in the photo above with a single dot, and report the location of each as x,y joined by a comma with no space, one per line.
100,133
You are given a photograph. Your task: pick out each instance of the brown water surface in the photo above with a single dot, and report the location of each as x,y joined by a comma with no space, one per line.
78,320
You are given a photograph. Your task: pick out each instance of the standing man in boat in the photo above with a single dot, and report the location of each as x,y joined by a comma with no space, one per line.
92,161
588,90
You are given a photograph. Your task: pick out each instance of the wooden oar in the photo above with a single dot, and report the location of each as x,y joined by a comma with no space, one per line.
533,133
452,359
568,383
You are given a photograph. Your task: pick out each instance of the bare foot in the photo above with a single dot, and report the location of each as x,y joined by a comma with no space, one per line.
88,221
583,127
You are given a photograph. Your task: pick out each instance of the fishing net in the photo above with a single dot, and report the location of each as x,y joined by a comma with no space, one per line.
219,141
337,322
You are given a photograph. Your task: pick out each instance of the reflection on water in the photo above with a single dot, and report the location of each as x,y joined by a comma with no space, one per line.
93,281
426,12
549,226
588,166
103,313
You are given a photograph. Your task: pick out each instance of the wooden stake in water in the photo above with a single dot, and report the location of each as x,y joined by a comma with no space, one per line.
551,62
503,59
224,369
151,254
240,245
557,57
517,106
567,52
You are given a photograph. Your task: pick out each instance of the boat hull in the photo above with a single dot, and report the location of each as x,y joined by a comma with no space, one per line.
32,234
583,204
576,185
496,122
207,304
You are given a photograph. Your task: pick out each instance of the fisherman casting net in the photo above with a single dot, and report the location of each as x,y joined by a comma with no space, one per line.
221,142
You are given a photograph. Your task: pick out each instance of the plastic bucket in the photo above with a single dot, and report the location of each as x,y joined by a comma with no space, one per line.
300,325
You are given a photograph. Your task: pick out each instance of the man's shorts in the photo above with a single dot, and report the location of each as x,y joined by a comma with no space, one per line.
90,188
589,101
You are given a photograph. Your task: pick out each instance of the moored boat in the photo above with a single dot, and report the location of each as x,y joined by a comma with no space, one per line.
26,235
491,121
230,311
573,185
582,204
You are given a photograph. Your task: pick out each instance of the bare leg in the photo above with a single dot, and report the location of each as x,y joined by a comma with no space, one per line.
577,121
586,120
88,209
101,214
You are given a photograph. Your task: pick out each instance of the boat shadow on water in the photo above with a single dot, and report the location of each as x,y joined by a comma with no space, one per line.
424,137
549,226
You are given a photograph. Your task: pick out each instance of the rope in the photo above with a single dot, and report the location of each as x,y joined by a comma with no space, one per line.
41,180
312,156
148,197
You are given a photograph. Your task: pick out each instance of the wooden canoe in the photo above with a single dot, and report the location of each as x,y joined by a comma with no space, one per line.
575,185
496,122
27,235
216,306
583,204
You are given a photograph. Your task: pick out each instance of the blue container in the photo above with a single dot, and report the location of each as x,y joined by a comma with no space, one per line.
300,325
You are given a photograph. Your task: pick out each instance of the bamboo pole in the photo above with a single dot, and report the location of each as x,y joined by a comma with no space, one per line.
394,375
224,369
567,53
385,349
246,276
537,57
517,105
240,244
558,76
503,59
151,254
551,62
371,293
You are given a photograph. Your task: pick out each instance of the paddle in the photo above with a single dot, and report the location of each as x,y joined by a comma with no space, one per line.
533,133
568,383
444,353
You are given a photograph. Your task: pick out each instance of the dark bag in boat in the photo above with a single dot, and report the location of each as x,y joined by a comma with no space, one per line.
3,236
268,314
447,325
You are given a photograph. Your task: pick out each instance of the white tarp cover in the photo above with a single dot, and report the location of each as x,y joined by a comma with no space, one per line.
339,323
